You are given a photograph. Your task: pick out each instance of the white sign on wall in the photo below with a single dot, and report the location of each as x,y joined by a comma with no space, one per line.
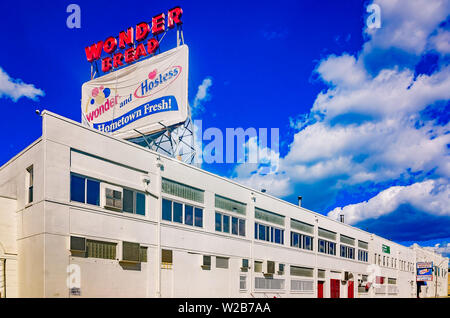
145,96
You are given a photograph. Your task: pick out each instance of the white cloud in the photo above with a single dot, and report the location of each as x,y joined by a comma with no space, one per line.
441,248
15,88
441,42
201,96
406,25
368,127
432,196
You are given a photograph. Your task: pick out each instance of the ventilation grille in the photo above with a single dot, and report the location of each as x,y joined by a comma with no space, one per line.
130,252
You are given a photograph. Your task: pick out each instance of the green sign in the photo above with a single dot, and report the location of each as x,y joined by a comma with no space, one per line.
386,249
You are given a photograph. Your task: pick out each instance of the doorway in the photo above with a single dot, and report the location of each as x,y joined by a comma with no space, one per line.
320,289
335,285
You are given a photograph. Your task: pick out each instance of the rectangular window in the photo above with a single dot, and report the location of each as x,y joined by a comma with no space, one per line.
198,218
302,285
30,182
301,226
301,241
269,216
206,262
218,222
295,239
93,192
242,282
301,271
84,190
347,240
269,283
321,273
128,201
241,227
363,245
222,262
244,263
133,202
167,210
269,233
234,225
182,190
347,252
113,199
229,204
177,212
140,203
327,234
188,214
327,247
226,224
77,188
173,211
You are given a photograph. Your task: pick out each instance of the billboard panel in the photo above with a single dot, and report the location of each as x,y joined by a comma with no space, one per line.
145,96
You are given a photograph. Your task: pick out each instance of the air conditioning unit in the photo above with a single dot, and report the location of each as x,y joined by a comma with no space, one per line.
206,262
129,252
345,276
269,267
77,244
112,197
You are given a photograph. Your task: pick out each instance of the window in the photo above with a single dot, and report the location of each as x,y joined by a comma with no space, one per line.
242,282
30,181
269,233
229,204
327,234
302,285
133,202
363,245
223,224
301,271
244,263
113,199
167,257
268,283
321,273
301,241
301,226
100,249
258,267
363,256
84,190
269,216
327,247
347,252
182,213
222,262
182,190
347,240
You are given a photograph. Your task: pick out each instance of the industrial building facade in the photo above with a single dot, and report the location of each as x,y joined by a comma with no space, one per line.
85,214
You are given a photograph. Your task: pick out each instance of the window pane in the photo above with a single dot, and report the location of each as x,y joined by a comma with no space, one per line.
128,201
167,210
77,188
140,203
307,242
198,217
226,224
294,239
332,249
218,222
188,214
321,246
278,236
262,232
241,227
93,192
234,225
256,230
178,212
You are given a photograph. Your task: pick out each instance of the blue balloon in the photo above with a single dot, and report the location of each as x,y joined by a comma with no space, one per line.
92,101
106,91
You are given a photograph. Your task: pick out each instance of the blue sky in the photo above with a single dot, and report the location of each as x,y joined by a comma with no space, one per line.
363,114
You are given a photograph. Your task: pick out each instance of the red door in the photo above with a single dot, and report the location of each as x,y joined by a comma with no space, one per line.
350,289
320,289
335,288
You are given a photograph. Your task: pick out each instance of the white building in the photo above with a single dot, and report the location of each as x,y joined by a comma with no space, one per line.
108,218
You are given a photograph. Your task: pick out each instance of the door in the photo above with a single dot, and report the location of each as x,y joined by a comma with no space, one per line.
335,288
350,289
320,289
